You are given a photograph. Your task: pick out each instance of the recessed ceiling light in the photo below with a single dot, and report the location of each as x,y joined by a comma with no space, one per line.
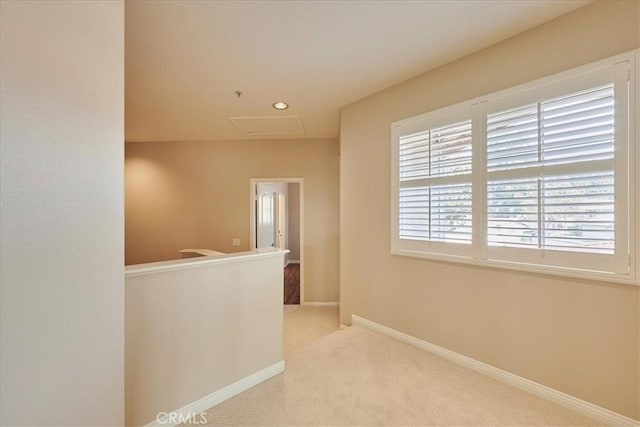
280,105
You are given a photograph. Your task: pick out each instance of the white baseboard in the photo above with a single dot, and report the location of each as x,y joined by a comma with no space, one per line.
578,405
217,397
322,304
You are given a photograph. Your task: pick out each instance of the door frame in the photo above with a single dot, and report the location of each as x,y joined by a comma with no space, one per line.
253,182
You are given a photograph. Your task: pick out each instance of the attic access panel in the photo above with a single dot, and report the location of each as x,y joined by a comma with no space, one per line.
268,125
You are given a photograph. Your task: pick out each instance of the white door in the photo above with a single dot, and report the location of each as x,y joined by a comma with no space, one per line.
266,218
282,221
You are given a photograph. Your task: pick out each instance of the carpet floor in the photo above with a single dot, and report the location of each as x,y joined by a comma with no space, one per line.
356,377
305,324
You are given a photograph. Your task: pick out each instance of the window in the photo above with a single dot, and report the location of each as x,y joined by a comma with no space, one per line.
536,177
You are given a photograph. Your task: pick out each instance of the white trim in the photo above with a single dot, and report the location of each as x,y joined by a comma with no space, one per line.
479,183
217,397
549,170
253,182
395,188
198,262
322,304
293,261
634,153
519,266
578,405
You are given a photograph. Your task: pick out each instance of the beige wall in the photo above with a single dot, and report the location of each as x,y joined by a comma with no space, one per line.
193,331
62,285
293,206
577,336
196,194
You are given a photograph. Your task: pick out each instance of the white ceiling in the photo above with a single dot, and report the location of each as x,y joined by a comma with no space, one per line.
185,59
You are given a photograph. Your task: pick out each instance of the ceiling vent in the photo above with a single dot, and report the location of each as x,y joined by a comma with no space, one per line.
268,125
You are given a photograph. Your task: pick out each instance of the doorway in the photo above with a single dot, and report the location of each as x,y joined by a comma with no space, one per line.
276,206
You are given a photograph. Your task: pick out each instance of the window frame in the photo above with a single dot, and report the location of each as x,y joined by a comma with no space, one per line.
623,67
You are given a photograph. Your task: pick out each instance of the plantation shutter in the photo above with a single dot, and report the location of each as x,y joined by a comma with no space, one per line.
531,201
434,195
539,177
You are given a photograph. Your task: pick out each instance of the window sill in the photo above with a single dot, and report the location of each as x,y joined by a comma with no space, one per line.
522,267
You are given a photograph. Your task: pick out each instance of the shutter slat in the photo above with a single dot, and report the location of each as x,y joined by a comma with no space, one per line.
418,150
523,138
578,127
580,120
512,158
512,213
563,103
498,151
597,108
416,138
436,213
556,160
414,215
413,156
513,129
569,133
451,149
577,145
582,180
512,114
442,151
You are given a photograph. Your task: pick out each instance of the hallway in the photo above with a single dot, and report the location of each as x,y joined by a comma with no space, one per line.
292,284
